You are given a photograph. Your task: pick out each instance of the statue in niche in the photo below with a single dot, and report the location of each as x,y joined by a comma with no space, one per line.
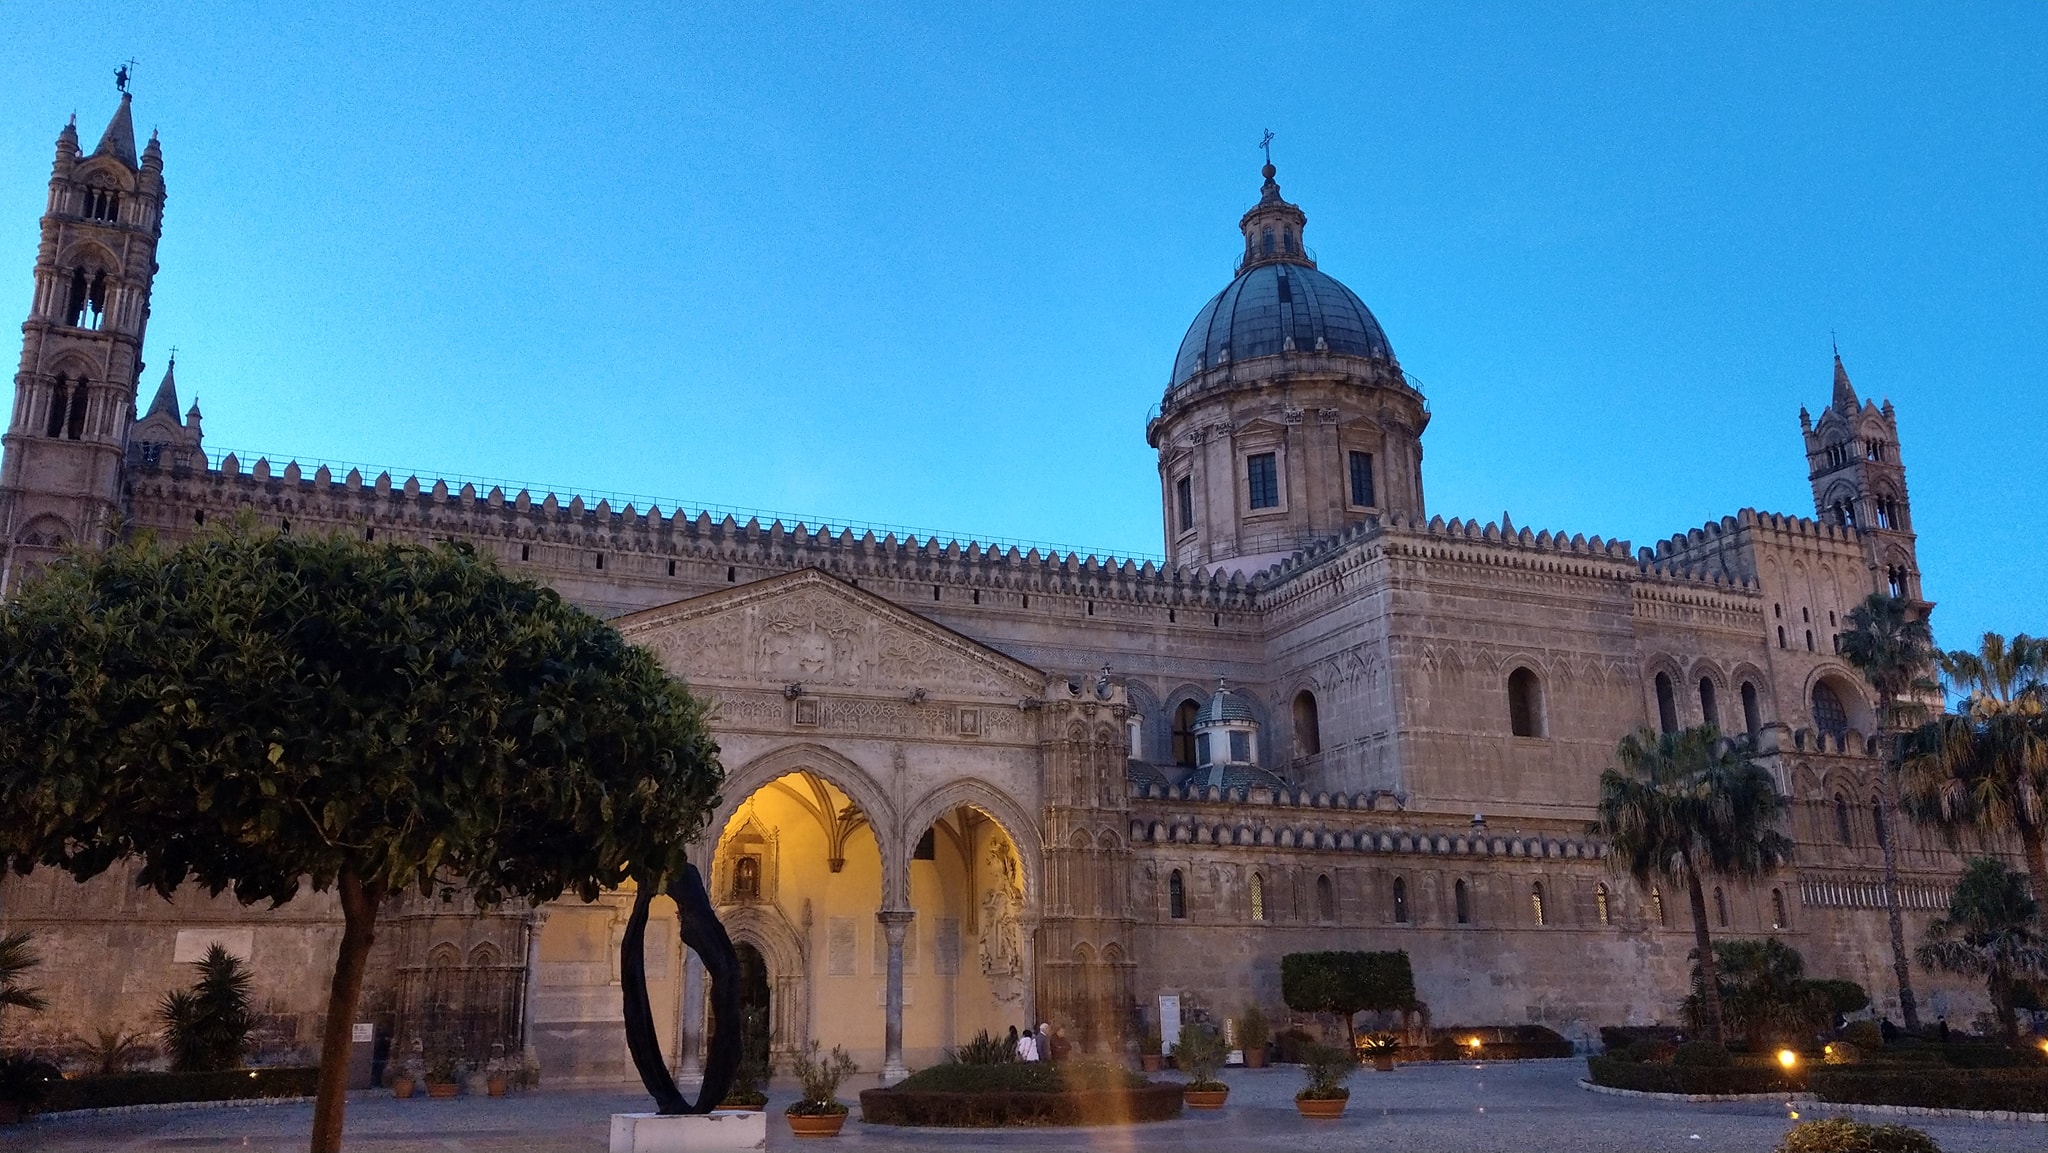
1002,925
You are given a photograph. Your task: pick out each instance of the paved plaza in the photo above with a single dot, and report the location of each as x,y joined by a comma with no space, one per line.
1521,1107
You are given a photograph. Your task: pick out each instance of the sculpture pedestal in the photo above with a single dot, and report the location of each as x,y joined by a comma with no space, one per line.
719,1131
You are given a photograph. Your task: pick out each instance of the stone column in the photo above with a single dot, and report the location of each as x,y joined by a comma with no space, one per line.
1029,924
895,922
536,921
690,1019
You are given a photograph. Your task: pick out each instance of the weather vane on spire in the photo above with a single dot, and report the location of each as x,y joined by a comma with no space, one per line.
1266,143
121,75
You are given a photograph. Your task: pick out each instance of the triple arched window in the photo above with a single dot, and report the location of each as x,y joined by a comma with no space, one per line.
68,403
87,304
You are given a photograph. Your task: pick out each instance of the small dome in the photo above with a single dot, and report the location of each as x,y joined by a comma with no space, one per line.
1224,707
1269,303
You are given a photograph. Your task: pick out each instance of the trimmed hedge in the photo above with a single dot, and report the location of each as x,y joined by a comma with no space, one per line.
2020,1090
117,1089
1694,1079
1156,1101
1498,1043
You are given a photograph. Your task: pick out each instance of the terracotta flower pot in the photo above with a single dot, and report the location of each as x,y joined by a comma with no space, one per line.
443,1089
815,1124
1205,1098
1384,1064
496,1086
1150,1062
1328,1109
729,1107
402,1088
1255,1057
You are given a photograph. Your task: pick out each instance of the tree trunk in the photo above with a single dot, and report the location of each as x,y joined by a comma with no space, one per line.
359,921
2002,1004
1710,973
2037,861
1887,807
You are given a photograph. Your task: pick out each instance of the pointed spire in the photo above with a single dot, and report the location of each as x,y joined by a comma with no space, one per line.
153,153
67,140
166,401
1845,401
119,139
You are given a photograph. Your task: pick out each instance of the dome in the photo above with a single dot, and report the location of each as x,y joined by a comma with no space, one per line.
1270,303
1225,707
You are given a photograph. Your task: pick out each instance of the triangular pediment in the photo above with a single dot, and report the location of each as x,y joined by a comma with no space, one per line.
810,628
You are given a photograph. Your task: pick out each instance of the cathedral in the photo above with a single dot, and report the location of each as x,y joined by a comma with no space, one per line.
971,787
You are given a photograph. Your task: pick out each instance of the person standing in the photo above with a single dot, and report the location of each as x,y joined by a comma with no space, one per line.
1027,1046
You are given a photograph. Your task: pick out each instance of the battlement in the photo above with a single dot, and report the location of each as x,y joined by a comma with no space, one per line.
435,509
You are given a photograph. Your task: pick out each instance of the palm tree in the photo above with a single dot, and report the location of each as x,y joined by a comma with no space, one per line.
1685,805
1992,931
1985,768
1890,644
17,957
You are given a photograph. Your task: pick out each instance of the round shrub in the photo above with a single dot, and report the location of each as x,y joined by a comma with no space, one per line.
1702,1055
1840,1135
1652,1051
1841,1053
1865,1035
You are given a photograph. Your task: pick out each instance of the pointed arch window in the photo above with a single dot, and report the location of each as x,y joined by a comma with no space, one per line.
1842,832
1878,823
1720,907
1778,918
88,303
1326,899
1462,900
60,400
1258,893
1308,736
1601,907
1536,903
1667,704
74,422
1657,906
1400,901
1176,896
1184,733
1752,717
1525,703
1710,702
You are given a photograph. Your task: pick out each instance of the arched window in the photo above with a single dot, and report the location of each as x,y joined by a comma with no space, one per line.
102,204
1781,636
1828,714
1600,905
1176,896
1667,704
1463,901
1266,242
1525,703
1308,735
1842,832
1400,901
60,401
1326,899
1184,733
1710,703
1877,822
1778,920
484,956
1720,907
81,396
1895,578
1258,897
746,879
1809,640
1290,240
1536,901
1657,906
1752,718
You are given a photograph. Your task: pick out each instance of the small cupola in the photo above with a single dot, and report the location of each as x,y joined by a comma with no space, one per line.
1226,734
1273,228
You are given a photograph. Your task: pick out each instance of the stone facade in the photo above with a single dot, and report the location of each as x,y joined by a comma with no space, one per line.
973,787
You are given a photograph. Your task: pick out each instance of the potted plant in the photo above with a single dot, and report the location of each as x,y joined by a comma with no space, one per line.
756,1068
405,1074
1380,1049
498,1072
444,1076
1327,1067
1253,1031
1200,1054
1150,1050
818,1113
24,1085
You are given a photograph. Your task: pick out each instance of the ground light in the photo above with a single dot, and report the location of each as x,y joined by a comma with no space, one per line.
1788,1058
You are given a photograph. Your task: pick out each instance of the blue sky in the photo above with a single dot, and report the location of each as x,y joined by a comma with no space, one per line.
929,266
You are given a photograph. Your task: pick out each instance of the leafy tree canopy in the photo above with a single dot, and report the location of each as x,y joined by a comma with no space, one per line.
1347,982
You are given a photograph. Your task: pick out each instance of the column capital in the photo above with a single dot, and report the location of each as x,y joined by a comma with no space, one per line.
895,916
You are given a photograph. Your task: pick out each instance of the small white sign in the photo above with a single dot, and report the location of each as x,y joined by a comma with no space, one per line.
363,1031
1169,1019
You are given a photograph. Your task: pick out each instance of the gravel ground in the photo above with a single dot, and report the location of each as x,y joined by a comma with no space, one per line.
1519,1107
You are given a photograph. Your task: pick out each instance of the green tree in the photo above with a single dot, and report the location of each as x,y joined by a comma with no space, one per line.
1993,930
1889,643
1765,996
17,959
262,714
206,1027
1686,805
1984,769
1347,983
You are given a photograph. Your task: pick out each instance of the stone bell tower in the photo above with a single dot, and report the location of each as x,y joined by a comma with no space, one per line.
1859,481
81,348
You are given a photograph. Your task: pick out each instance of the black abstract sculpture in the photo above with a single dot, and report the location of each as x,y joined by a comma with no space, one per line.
703,935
